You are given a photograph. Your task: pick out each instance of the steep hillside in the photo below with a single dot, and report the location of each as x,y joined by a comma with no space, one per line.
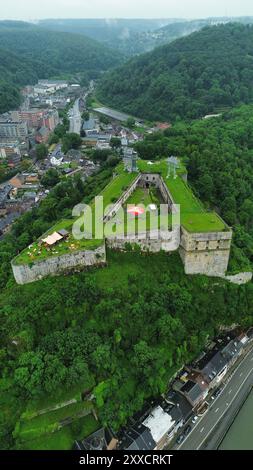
219,156
124,35
28,53
14,71
135,36
188,78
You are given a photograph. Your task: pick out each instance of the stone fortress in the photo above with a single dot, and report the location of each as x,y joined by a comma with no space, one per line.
202,239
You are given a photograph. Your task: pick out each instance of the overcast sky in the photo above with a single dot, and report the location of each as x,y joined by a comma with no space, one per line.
33,9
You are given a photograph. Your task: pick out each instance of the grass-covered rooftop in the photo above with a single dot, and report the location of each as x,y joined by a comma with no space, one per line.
38,252
194,217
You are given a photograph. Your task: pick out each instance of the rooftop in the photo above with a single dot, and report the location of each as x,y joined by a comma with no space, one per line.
192,390
159,422
137,437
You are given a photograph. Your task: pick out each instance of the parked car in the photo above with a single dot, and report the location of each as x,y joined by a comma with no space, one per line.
180,439
187,430
194,419
216,394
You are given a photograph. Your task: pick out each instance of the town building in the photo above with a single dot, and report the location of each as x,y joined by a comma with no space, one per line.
153,428
214,365
33,117
42,135
99,440
130,159
195,392
90,127
13,129
51,119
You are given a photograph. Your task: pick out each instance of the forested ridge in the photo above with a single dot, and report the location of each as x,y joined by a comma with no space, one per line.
189,78
28,53
129,327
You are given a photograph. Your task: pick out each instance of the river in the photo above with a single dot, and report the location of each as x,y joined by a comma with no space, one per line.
240,434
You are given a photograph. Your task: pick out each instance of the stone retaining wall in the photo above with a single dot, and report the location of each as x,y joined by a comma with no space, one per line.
54,265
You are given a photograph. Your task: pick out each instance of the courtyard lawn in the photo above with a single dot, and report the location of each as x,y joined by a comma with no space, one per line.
194,217
143,196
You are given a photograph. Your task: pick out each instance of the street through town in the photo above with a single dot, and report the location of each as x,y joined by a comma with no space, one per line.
209,429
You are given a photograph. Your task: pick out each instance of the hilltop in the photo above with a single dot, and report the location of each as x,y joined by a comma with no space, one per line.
135,36
29,52
189,78
126,328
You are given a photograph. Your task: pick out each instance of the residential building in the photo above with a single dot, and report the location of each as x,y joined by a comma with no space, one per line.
42,135
7,151
13,129
4,193
130,159
90,127
153,428
137,437
194,392
51,119
33,117
216,362
181,403
99,440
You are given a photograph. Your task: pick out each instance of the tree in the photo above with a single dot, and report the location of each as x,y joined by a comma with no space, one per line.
85,115
115,142
53,139
130,122
71,141
41,151
50,178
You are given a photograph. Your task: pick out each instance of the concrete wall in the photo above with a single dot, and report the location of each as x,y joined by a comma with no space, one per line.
54,265
205,253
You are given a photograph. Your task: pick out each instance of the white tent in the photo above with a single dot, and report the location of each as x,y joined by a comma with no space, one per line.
52,239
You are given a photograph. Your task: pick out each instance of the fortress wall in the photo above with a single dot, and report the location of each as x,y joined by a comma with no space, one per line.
141,180
165,193
205,253
152,242
150,178
122,199
54,265
153,246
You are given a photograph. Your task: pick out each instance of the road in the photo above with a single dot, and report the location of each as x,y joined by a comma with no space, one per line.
211,427
75,118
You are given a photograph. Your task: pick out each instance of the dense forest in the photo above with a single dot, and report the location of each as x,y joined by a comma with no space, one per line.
28,52
135,36
202,73
129,327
